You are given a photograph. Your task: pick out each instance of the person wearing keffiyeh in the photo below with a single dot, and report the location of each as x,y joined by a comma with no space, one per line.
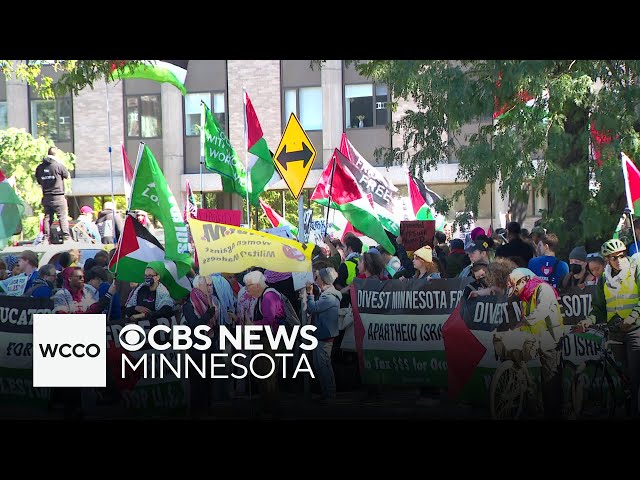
201,308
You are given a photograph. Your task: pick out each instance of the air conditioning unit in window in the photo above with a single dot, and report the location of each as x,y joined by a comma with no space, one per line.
381,105
64,120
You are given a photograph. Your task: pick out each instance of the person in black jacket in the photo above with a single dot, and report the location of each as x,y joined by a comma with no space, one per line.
50,175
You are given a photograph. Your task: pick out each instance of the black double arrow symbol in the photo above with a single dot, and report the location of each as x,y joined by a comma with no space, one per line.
285,157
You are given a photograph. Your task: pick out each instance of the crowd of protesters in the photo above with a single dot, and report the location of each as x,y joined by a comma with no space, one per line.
508,262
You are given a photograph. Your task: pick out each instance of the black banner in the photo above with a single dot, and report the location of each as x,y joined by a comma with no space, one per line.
409,297
16,313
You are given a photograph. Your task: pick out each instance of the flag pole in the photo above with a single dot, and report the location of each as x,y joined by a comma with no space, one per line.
246,155
202,120
113,200
333,169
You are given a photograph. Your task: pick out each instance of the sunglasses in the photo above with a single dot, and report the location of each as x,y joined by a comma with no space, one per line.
78,278
618,256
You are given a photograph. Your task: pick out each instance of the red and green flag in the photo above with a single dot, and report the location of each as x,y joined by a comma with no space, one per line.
260,168
422,198
276,219
339,189
631,184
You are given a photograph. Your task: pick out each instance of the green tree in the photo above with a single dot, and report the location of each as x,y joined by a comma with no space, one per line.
546,145
75,74
20,154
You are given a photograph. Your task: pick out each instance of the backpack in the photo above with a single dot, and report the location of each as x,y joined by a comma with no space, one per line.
55,235
290,316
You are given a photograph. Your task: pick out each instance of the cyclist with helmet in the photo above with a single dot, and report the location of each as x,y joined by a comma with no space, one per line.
541,317
618,301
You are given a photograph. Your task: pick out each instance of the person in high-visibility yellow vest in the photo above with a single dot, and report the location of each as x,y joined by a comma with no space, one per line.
617,300
541,317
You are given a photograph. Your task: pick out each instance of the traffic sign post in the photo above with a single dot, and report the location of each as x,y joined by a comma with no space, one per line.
294,156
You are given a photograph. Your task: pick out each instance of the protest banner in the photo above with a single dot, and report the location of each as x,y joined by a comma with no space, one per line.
150,396
226,248
417,233
228,217
398,329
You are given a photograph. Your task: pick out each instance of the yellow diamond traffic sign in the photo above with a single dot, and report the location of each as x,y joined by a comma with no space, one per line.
294,156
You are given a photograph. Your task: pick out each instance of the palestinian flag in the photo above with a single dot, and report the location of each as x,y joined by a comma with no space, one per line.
158,71
190,206
137,249
631,184
261,171
276,219
11,210
421,199
339,189
462,349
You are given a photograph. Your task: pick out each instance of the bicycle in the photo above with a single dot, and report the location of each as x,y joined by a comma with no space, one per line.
513,385
595,395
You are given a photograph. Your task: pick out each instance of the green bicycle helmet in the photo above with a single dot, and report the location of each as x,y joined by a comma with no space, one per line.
612,246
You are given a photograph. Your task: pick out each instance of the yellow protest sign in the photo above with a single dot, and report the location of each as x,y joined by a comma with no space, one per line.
226,248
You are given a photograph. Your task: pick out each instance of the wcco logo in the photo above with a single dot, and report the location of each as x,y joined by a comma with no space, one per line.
69,350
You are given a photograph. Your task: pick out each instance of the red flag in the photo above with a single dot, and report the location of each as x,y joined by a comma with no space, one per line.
127,173
498,110
2,176
599,142
631,184
462,349
337,182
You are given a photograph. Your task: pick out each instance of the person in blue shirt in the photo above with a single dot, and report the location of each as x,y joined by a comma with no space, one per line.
633,247
44,285
548,267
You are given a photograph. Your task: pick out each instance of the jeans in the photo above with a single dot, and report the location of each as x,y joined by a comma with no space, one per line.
324,369
632,350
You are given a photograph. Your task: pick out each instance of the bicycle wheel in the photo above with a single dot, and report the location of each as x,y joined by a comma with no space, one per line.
507,391
594,395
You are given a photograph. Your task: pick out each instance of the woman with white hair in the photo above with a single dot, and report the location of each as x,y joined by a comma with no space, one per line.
325,318
269,310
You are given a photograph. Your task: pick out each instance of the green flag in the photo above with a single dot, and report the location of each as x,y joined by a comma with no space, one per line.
220,157
151,193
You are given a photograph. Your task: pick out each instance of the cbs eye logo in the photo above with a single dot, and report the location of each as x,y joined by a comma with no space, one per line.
132,337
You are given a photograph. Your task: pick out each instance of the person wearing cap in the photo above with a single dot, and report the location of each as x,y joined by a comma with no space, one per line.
541,316
548,266
578,271
110,223
477,250
457,259
85,221
516,247
28,262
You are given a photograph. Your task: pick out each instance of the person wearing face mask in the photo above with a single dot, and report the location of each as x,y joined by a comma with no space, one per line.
617,302
478,273
578,272
150,299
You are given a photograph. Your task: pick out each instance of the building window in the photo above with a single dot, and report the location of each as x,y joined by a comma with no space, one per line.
366,105
192,111
306,103
3,116
52,119
144,116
